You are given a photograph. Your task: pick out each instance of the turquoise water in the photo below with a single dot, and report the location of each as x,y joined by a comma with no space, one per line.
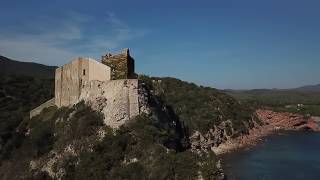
290,155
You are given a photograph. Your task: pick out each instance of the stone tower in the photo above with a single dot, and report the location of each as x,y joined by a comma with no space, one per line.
72,77
122,65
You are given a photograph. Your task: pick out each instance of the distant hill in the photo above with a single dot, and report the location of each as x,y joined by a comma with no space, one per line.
279,99
12,67
310,88
307,89
251,91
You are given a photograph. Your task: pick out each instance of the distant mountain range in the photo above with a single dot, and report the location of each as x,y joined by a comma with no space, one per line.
13,67
310,88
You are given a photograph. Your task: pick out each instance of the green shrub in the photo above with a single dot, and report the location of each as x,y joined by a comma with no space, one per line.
113,158
18,95
42,137
81,126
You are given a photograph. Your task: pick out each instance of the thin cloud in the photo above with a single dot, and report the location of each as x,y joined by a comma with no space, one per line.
55,42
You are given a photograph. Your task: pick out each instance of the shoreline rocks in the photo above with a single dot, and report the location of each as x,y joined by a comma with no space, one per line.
271,123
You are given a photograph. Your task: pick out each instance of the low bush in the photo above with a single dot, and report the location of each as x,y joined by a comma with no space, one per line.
135,152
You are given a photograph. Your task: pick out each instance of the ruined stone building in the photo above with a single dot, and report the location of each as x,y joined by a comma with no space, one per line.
122,65
110,87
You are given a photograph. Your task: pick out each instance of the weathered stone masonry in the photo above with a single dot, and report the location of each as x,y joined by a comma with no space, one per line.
118,100
38,109
122,65
72,77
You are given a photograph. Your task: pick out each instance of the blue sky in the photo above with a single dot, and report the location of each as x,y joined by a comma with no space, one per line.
238,44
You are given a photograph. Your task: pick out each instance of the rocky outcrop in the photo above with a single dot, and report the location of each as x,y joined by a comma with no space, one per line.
270,122
212,139
287,121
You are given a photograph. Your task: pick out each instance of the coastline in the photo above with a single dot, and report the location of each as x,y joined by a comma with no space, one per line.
282,155
272,122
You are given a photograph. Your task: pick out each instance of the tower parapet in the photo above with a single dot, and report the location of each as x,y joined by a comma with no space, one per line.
122,65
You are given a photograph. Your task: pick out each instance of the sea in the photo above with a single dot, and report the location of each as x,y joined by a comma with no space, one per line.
282,156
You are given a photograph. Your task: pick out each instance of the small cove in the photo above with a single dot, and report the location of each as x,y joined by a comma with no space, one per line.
285,155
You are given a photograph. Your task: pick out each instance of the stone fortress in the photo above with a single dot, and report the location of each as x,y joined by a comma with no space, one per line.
110,87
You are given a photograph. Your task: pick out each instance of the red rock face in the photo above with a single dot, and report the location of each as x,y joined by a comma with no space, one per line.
286,121
274,121
271,122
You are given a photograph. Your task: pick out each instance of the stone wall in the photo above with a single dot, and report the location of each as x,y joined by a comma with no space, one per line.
38,110
118,100
99,71
70,78
122,65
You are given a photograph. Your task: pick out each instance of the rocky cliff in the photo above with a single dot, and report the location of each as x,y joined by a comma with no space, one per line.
98,139
270,122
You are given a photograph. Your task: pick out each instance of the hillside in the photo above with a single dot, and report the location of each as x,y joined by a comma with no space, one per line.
18,95
73,143
12,67
200,107
281,100
23,86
